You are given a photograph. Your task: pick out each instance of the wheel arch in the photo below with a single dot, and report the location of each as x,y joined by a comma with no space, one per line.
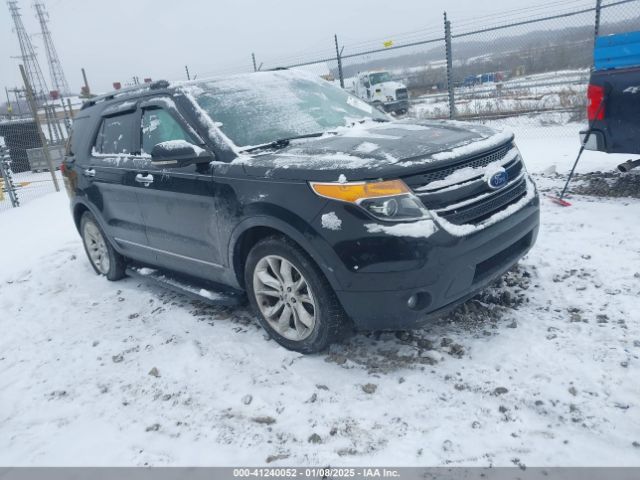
78,210
251,231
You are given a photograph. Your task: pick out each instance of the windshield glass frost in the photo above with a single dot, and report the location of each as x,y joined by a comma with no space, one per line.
261,107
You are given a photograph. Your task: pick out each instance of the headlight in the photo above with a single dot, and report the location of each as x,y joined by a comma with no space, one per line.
389,200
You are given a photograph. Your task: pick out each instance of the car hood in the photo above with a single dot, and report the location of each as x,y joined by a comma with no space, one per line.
374,150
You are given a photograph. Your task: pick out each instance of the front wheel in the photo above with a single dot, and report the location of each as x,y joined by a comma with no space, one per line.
103,258
295,303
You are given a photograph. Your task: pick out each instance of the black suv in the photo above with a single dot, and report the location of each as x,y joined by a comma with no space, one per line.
326,212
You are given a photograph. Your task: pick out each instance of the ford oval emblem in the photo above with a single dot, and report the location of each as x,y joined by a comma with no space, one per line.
498,178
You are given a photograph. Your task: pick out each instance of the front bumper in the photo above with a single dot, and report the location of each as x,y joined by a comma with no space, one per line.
379,274
396,106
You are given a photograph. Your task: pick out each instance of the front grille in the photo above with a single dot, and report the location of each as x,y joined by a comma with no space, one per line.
444,172
402,94
470,200
477,212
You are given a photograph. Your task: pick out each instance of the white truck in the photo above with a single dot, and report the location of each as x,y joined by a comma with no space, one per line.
380,90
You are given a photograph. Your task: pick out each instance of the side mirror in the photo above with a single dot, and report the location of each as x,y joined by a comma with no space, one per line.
179,153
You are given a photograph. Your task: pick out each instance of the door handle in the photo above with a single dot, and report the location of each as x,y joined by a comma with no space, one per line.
89,172
144,179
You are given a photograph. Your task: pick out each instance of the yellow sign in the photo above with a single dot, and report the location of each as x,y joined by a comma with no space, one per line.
388,43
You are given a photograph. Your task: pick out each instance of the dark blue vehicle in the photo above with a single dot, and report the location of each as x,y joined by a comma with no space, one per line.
283,187
613,103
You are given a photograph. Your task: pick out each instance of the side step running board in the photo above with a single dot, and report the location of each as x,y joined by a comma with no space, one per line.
218,295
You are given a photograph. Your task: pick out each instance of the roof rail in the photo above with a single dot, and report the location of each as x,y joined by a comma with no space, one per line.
157,85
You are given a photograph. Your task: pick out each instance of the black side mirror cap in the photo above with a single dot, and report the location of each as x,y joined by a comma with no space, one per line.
179,153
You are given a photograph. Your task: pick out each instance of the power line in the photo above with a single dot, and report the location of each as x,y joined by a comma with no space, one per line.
528,12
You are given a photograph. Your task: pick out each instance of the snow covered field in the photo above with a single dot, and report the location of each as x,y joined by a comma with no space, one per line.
563,90
542,369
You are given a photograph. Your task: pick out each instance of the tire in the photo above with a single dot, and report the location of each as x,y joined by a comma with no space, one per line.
102,256
281,299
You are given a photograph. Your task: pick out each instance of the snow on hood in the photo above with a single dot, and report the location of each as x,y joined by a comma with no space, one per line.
373,149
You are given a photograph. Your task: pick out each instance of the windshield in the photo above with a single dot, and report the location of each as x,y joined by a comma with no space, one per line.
380,77
258,108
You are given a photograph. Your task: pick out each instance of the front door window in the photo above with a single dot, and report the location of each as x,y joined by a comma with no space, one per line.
159,126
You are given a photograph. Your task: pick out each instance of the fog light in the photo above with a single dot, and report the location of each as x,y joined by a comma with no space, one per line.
413,301
419,301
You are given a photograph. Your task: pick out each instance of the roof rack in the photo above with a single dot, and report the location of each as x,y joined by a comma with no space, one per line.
157,85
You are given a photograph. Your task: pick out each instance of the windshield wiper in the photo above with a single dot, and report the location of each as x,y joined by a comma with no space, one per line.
282,142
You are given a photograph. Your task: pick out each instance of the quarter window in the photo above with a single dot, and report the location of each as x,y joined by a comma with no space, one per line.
116,135
159,126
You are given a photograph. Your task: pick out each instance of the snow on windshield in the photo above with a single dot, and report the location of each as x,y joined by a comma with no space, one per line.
258,108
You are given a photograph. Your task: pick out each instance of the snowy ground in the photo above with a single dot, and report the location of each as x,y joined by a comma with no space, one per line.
541,369
29,185
552,91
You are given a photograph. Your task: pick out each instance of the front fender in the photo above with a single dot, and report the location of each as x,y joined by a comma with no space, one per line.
295,228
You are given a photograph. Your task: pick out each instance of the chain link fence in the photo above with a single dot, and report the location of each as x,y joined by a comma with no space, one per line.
32,146
618,17
527,68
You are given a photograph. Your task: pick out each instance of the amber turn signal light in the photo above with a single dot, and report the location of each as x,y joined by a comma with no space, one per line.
354,191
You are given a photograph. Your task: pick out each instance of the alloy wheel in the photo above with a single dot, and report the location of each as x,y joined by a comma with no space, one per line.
96,247
284,297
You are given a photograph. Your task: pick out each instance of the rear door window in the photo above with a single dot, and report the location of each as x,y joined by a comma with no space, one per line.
116,135
158,126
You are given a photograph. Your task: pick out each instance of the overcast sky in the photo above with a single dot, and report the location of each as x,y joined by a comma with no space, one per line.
117,39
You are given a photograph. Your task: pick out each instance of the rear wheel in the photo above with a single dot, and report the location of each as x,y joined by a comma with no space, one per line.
295,303
103,258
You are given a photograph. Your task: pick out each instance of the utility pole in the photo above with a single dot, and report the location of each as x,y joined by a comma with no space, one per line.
450,87
87,90
186,67
597,22
253,57
36,119
28,54
58,79
339,57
